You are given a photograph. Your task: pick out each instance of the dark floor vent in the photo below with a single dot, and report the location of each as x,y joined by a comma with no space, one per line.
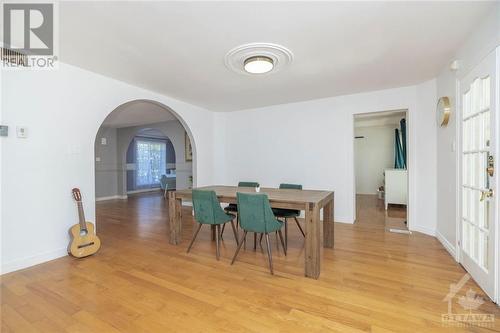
13,57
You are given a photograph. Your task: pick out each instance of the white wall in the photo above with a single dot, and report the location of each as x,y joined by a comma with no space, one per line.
311,143
63,110
106,169
483,41
373,154
424,150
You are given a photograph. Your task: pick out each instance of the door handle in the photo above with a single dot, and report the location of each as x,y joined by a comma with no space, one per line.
486,194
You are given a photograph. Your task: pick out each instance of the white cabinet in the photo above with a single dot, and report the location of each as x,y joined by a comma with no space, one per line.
396,186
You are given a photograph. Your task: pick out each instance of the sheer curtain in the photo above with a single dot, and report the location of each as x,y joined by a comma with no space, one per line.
150,162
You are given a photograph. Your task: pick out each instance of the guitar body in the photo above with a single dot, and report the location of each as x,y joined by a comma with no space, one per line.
83,244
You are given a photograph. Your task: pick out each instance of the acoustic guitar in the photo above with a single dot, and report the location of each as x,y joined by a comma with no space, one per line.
84,241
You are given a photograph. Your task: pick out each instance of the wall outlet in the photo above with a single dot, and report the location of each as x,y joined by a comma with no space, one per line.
104,141
22,132
98,159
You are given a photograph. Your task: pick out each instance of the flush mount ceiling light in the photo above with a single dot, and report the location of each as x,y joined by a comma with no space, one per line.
258,65
257,59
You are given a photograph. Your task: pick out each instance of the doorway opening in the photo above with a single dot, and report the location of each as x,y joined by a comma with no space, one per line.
142,147
381,169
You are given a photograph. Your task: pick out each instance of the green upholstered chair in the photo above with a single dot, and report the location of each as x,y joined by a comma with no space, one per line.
256,216
207,210
289,213
164,185
233,208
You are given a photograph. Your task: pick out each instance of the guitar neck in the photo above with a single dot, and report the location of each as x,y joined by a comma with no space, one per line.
81,216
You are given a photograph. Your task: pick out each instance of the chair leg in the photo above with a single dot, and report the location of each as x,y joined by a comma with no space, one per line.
300,228
269,253
282,241
217,241
260,239
239,247
222,232
194,237
234,232
286,233
254,241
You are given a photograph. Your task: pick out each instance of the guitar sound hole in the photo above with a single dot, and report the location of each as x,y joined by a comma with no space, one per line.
83,232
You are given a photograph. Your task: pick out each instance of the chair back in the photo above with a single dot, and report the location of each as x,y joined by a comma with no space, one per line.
291,186
255,213
207,209
163,182
248,184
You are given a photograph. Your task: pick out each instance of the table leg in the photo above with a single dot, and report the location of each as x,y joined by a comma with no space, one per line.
328,225
313,240
175,218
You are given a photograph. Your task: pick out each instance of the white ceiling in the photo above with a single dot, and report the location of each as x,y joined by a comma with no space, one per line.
178,48
137,113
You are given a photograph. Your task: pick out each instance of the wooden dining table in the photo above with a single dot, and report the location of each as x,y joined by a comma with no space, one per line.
310,201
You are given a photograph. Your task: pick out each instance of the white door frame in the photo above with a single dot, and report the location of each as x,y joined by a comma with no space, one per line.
458,156
410,162
497,215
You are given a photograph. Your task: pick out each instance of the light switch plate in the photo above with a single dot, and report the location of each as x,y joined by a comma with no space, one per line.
4,130
104,141
98,159
22,132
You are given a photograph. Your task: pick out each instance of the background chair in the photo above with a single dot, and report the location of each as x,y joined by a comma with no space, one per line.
207,210
256,215
233,208
289,213
164,185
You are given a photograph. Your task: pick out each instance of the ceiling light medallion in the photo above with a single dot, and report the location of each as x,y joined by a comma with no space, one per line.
257,59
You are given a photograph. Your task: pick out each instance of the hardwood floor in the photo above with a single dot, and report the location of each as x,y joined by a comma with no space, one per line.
372,281
368,206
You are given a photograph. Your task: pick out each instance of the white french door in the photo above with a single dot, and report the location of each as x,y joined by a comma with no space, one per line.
151,162
478,120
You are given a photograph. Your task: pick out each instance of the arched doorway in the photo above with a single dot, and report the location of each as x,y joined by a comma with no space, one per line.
115,172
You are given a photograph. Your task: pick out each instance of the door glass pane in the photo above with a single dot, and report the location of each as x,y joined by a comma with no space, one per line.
485,93
150,162
475,138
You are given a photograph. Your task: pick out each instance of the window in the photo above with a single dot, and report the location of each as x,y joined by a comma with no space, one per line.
151,162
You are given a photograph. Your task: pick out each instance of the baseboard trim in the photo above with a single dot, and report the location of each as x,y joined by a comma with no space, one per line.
340,219
145,190
424,230
33,260
113,197
447,245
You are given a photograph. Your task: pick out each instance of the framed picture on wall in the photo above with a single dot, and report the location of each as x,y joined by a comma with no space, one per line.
188,149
